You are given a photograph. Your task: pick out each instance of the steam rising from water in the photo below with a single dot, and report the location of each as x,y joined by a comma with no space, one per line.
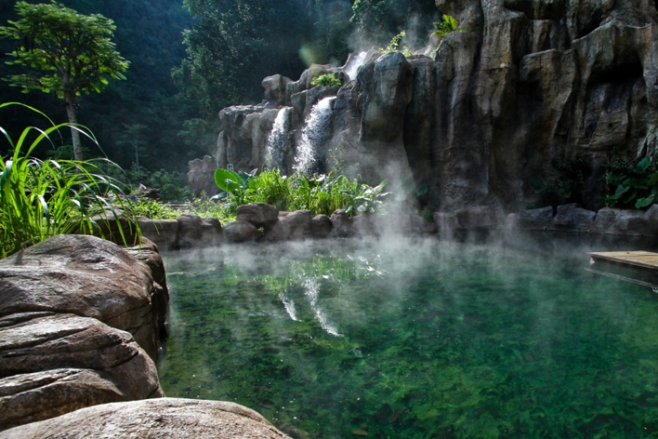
278,137
317,128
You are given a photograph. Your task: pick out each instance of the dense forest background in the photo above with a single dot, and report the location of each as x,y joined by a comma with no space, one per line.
191,58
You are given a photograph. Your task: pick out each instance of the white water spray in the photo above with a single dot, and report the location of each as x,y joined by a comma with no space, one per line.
278,137
312,291
353,64
317,127
289,305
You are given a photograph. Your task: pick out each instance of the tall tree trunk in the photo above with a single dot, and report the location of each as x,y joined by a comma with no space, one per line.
75,134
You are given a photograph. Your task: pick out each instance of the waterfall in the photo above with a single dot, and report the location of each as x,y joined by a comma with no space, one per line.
278,138
352,66
317,128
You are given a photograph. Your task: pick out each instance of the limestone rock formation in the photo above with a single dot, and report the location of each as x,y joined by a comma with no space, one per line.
80,320
201,176
522,84
162,418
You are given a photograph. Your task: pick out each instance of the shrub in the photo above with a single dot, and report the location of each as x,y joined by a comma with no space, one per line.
633,185
328,80
321,194
44,198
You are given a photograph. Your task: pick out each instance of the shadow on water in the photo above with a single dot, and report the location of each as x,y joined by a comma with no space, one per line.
480,337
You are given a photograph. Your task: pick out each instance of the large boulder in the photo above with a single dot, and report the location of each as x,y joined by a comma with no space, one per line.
572,217
51,364
162,233
291,226
201,176
86,276
194,232
80,320
154,419
258,214
241,231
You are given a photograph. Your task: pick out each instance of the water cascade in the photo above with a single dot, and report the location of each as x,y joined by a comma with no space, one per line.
278,138
353,64
317,129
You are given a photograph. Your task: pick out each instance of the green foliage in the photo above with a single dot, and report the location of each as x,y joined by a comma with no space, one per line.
43,198
328,80
234,44
321,194
74,50
376,20
234,183
632,186
64,52
153,209
393,45
446,26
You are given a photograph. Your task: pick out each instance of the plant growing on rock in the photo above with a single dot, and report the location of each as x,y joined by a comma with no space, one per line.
328,80
393,46
44,198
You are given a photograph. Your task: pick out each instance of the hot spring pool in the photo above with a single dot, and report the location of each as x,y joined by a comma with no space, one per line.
414,339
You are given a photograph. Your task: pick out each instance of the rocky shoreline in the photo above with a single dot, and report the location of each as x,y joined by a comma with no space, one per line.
258,222
80,323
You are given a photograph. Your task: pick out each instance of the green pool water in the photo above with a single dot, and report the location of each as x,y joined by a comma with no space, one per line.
414,339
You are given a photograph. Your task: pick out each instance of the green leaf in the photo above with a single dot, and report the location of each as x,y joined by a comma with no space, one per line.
643,165
621,190
653,180
644,202
227,180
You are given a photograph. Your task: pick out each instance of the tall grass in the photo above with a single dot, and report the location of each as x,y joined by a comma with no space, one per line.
44,198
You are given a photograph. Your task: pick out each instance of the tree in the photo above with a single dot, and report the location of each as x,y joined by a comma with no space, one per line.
234,44
63,52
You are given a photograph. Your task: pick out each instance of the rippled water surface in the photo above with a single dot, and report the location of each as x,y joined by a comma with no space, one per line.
414,339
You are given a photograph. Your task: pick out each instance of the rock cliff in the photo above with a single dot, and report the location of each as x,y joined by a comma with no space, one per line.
521,85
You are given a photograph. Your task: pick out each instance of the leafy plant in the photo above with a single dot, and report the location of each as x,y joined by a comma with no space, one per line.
44,198
234,183
154,210
328,80
393,46
71,53
635,186
446,26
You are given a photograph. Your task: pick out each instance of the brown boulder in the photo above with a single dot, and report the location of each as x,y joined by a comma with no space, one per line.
86,276
291,226
34,343
156,418
258,214
321,226
194,232
241,231
342,224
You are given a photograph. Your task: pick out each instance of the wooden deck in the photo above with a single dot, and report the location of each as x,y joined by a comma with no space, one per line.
635,258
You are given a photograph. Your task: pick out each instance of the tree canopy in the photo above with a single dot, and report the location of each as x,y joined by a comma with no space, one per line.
64,52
